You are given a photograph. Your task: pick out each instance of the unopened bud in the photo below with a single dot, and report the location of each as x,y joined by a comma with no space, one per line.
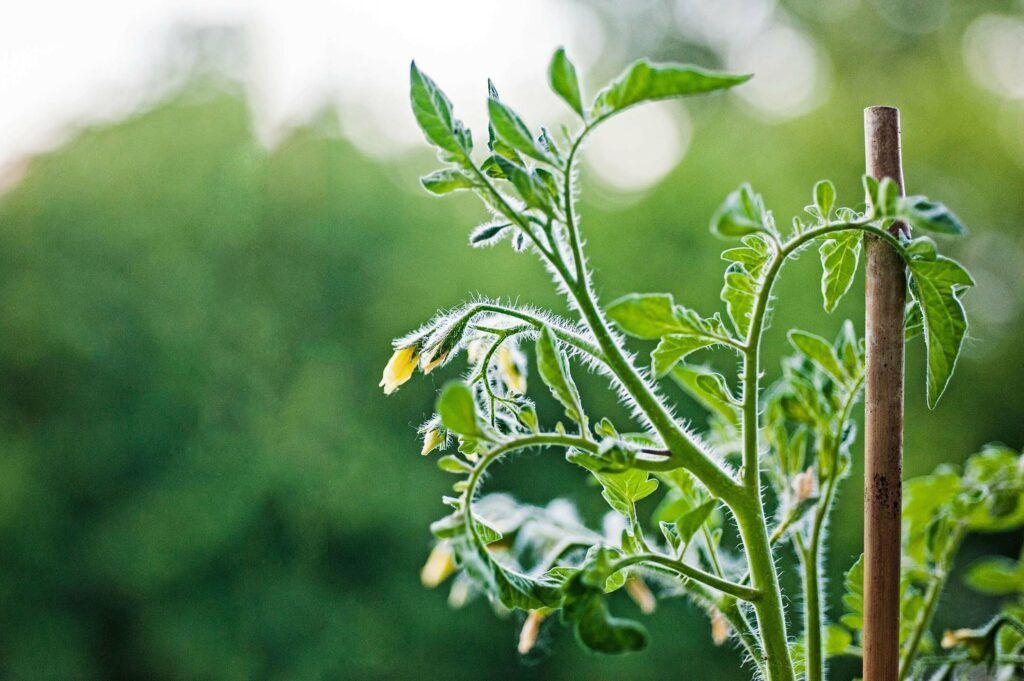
440,564
641,594
531,628
803,485
720,628
432,439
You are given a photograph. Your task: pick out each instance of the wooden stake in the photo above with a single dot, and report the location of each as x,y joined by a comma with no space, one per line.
885,299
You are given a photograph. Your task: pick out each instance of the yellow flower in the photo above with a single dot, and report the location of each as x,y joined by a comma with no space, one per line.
399,369
432,439
531,627
511,376
440,564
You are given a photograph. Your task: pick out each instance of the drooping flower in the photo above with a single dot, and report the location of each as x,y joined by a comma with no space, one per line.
440,564
399,369
431,363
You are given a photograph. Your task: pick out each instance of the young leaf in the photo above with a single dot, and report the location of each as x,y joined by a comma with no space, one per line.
510,129
645,315
433,112
457,409
445,181
824,198
673,348
553,368
528,185
839,256
622,490
818,350
741,213
689,378
854,597
645,82
937,285
714,385
739,295
689,523
489,234
583,607
928,215
995,576
565,83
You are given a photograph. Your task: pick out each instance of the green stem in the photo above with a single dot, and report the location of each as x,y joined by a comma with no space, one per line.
931,599
744,593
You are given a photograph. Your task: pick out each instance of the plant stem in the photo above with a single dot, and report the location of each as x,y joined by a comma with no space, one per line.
741,592
931,600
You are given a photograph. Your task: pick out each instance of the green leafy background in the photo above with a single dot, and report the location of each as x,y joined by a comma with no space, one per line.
199,478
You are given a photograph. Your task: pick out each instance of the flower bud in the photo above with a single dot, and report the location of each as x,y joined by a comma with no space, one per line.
720,628
432,439
439,566
803,485
528,635
510,371
429,364
399,369
641,594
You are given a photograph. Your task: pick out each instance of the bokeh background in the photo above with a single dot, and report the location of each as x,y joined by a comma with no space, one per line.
211,227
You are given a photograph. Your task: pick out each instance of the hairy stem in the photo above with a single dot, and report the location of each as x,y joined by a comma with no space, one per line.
931,600
744,593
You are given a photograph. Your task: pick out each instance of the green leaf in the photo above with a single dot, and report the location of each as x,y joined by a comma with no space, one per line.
433,112
854,597
623,490
671,534
565,83
689,379
837,640
553,367
644,82
584,608
509,128
820,352
528,185
740,296
453,464
824,198
870,190
445,181
741,214
690,522
713,384
839,256
995,576
931,216
888,195
489,233
914,322
645,315
937,285
673,348
457,409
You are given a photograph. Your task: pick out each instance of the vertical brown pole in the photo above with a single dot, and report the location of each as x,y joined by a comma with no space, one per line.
885,297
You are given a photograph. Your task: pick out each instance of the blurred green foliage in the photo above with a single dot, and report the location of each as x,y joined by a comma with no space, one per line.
198,476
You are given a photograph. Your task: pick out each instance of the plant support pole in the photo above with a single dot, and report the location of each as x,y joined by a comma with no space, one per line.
885,300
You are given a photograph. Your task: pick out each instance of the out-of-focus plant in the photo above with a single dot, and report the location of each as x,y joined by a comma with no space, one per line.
770,462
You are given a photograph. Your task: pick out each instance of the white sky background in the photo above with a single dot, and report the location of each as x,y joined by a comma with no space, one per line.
64,64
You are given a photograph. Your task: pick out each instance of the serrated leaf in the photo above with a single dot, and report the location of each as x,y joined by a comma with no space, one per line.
739,295
673,348
645,315
528,185
820,352
511,130
445,181
433,112
671,534
741,214
564,81
839,256
937,285
457,409
553,367
623,490
644,81
853,599
584,608
931,216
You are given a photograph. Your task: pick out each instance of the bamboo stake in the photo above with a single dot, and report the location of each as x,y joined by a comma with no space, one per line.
885,298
